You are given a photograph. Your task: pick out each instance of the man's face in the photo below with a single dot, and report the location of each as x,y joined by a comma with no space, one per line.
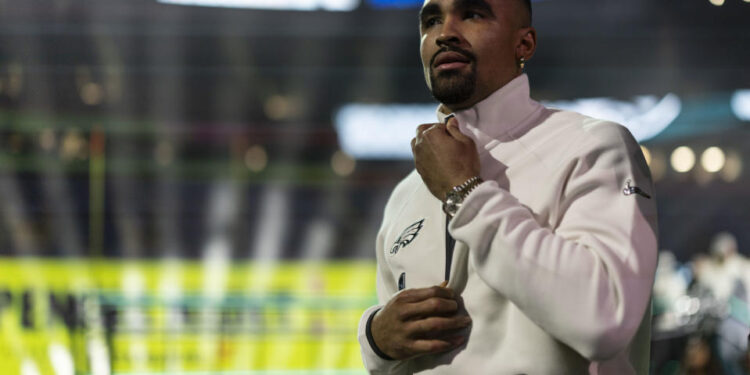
468,48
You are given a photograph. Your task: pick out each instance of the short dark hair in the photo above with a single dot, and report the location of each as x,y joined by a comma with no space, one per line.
527,5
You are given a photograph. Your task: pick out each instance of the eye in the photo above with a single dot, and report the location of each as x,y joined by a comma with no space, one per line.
429,22
473,15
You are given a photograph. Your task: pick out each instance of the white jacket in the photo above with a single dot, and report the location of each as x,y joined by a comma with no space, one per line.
554,262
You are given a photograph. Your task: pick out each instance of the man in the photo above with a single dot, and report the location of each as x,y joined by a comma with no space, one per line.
525,241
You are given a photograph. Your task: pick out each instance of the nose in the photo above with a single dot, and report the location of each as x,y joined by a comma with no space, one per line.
450,33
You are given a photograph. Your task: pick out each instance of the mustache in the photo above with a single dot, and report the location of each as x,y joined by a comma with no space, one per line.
462,51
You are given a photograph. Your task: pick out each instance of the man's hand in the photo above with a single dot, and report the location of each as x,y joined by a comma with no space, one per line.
444,157
420,321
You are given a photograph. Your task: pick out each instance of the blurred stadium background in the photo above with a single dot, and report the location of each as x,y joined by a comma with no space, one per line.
195,186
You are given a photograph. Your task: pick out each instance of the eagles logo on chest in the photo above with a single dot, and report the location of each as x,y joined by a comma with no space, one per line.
407,236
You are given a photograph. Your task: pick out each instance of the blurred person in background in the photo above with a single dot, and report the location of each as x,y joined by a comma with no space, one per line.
726,275
670,285
725,270
525,239
697,359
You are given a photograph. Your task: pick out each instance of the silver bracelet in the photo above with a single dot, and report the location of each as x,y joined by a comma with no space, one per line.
455,197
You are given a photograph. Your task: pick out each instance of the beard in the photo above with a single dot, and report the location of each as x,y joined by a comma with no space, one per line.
453,87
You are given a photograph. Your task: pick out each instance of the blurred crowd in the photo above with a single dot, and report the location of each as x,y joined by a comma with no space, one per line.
701,311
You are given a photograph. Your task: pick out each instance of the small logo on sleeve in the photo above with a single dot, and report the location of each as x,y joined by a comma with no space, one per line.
407,236
631,189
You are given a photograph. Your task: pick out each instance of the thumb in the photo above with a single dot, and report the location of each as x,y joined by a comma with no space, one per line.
452,127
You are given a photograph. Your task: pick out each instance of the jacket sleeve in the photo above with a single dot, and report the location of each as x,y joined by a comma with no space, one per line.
386,288
587,282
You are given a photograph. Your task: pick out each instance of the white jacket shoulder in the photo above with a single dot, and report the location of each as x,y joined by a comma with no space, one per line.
402,192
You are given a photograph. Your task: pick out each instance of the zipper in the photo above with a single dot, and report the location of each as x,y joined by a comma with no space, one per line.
450,243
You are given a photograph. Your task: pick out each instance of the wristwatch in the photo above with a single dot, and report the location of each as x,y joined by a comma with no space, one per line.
455,197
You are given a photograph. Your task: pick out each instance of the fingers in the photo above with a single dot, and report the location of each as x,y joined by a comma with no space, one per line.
452,129
437,346
425,302
421,294
430,346
429,307
422,131
420,321
436,327
422,128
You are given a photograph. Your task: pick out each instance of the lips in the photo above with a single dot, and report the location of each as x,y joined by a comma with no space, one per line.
450,60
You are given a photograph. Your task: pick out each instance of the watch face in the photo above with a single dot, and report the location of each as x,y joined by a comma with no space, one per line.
452,196
451,208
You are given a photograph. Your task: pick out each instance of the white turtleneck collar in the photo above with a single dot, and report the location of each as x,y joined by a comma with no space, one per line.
501,112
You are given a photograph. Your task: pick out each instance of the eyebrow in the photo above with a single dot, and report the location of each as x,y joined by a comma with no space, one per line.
428,10
479,4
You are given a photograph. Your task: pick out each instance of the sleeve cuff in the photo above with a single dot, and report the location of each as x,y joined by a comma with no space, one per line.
371,340
470,205
374,362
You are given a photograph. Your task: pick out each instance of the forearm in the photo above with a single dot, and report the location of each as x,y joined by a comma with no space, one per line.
587,286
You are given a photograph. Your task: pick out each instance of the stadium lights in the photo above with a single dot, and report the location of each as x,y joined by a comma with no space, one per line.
732,167
741,104
682,159
645,116
384,131
380,131
342,164
256,158
713,159
303,5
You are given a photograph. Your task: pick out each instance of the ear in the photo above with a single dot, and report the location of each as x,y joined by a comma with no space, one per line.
526,43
